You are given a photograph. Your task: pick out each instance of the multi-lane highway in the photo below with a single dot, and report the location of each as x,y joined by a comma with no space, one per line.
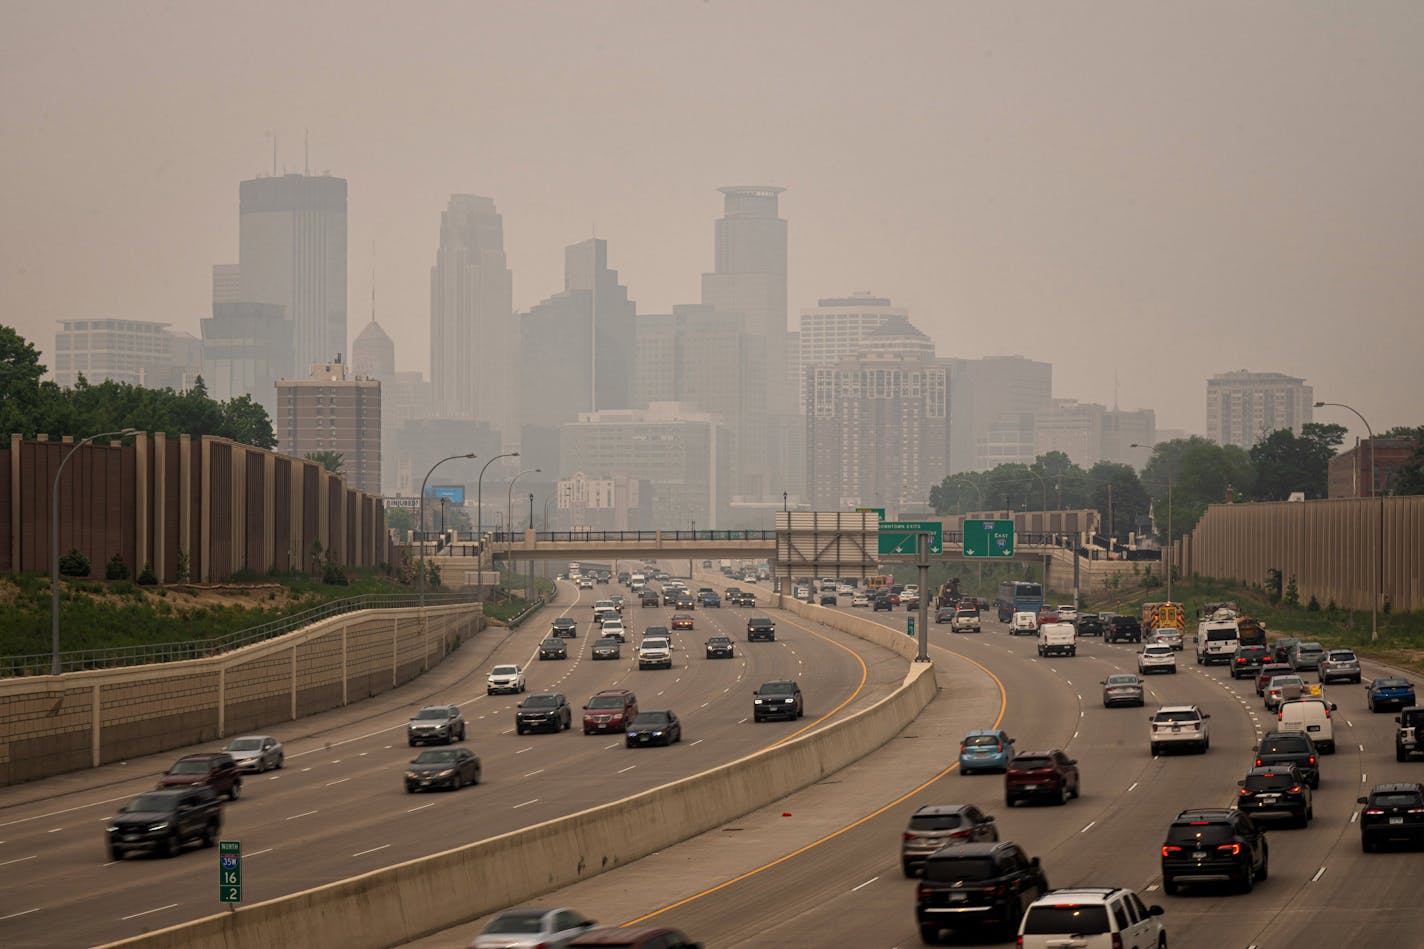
338,808
821,868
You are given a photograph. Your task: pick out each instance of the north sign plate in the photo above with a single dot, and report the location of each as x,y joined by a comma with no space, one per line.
987,538
898,537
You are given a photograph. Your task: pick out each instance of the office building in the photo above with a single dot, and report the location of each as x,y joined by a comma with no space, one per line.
993,402
1089,433
603,504
227,283
473,334
835,327
138,352
292,253
1369,468
335,410
247,348
1242,407
1123,428
373,352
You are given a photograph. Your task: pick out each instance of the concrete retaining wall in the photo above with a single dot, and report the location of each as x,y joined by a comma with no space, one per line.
50,725
404,902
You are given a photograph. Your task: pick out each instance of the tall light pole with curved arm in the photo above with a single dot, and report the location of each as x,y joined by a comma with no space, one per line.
1379,547
1044,485
1171,539
480,492
423,483
509,516
54,542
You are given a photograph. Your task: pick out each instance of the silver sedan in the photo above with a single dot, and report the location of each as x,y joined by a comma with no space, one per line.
532,927
1125,688
256,752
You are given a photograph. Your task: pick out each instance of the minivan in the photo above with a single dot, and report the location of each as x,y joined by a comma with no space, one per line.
1311,716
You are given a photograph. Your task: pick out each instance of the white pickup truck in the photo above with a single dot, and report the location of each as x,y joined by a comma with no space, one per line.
655,653
1057,639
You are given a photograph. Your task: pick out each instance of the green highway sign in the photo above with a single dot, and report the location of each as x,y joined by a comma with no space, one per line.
898,537
877,511
988,538
230,871
909,625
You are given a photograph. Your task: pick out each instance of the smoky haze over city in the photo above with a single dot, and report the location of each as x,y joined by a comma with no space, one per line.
1142,196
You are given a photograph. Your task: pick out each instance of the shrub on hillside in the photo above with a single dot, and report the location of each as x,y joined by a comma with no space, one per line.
74,564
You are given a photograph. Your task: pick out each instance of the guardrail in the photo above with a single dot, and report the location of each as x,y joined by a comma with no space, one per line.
145,654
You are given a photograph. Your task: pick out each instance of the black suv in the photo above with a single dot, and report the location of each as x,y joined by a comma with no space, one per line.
1276,791
164,820
719,647
552,648
1211,845
1247,661
648,598
974,885
1123,629
780,698
565,627
1089,624
1392,812
549,710
761,629
1281,748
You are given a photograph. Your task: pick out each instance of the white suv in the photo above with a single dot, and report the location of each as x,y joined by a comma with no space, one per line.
1091,916
1157,657
505,679
1179,726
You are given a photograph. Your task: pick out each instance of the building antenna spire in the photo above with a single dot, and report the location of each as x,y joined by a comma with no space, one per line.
373,281
274,154
306,151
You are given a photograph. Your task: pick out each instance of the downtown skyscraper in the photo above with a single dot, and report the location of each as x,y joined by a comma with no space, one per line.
473,338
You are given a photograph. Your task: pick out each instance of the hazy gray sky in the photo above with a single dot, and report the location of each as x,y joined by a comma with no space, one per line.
1156,190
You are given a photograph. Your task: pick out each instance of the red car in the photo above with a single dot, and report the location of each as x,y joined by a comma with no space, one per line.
1048,775
609,711
1047,616
681,621
216,770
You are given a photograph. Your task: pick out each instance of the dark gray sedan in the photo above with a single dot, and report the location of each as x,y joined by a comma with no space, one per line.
1124,688
451,768
552,648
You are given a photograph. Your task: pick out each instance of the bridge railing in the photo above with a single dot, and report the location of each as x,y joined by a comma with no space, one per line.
600,537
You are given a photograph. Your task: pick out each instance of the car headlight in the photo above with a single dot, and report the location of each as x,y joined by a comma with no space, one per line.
446,773
757,702
412,774
656,734
154,828
790,701
632,734
112,828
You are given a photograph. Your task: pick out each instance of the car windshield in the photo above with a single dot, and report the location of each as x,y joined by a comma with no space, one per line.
1280,681
427,714
606,641
1395,799
1219,635
963,868
1395,683
718,641
524,924
657,632
245,744
563,623
654,643
1266,782
979,741
1032,764
541,701
1199,833
505,670
1284,745
553,644
435,757
1178,716
1122,680
606,701
778,688
651,719
149,802
935,821
1045,919
1342,655
189,767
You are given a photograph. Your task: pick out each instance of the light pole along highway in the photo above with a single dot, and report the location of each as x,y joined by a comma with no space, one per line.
1379,528
1170,565
423,483
509,521
54,542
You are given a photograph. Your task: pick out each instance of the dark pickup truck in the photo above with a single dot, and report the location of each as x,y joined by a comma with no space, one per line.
165,820
761,629
975,885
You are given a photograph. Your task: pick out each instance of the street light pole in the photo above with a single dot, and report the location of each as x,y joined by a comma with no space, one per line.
1171,558
509,511
1379,547
1044,485
480,495
423,483
54,542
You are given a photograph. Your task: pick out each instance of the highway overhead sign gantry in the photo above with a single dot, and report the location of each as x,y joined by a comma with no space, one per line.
898,537
988,538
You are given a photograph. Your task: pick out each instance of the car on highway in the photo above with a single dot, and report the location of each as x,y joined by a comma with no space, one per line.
552,648
505,677
944,614
654,728
1091,917
1067,613
861,599
942,825
1156,658
256,753
685,602
1041,775
826,598
681,621
655,653
1268,672
1167,636
1281,748
1179,726
761,629
1046,615
1276,791
910,601
1387,692
965,620
1339,665
164,820
603,609
585,583
613,626
1125,629
1283,688
802,593
1023,623
1247,661
533,928
710,600
214,769
607,647
882,602
565,627
1392,812
1213,845
972,886
609,711
1124,688
648,597
1408,733
1281,649
1312,716
451,768
548,711
1307,656
779,698
634,937
720,647
985,749
1088,624
442,723
670,595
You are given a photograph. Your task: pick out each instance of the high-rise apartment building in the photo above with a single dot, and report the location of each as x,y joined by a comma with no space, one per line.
1242,407
247,348
292,252
139,352
835,327
993,401
334,410
473,335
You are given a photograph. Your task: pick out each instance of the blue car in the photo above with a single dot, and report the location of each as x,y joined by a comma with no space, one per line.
1389,692
985,750
711,600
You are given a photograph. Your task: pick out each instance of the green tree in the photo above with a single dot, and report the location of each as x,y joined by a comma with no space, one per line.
1409,478
1129,501
1201,473
245,421
1286,462
332,461
20,373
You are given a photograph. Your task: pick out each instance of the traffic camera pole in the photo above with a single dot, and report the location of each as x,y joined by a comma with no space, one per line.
922,559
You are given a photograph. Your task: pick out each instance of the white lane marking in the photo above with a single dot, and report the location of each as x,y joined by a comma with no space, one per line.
1151,887
1362,747
704,704
1350,723
6,863
337,761
697,742
420,808
1132,786
532,773
146,912
525,804
338,781
257,852
305,770
274,777
614,745
1362,777
21,913
627,769
1091,825
303,814
363,754
1354,817
865,884
362,853
522,750
742,722
1318,874
54,830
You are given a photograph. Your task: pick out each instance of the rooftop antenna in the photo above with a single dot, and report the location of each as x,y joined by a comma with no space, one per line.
306,151
274,154
373,281
1114,390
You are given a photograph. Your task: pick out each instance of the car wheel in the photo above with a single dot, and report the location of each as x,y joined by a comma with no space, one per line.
1077,789
210,834
629,744
1366,844
281,759
235,791
1315,782
172,844
261,765
1265,865
1010,800
462,732
1248,879
587,732
1063,794
409,789
1156,749
929,935
1170,887
1162,941
410,742
116,853
458,783
519,729
1399,753
909,870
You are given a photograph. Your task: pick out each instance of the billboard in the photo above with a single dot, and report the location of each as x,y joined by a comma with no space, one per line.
454,493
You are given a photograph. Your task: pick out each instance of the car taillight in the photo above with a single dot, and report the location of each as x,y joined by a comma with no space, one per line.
1415,810
910,836
963,748
1373,811
1258,762
921,891
998,747
1232,849
1295,790
998,889
1117,941
960,835
1169,849
1312,759
1244,791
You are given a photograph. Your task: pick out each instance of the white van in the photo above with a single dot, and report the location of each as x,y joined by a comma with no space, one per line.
1057,639
1023,622
1217,641
1311,716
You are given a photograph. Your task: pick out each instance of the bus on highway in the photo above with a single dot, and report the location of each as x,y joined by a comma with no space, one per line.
1018,596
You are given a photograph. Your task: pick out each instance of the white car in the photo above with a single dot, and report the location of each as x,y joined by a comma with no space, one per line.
860,599
1180,726
505,678
1067,614
803,593
613,627
1023,622
1091,917
655,653
1157,657
845,589
911,589
1167,636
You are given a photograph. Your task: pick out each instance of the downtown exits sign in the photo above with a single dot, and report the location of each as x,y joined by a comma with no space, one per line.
898,537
